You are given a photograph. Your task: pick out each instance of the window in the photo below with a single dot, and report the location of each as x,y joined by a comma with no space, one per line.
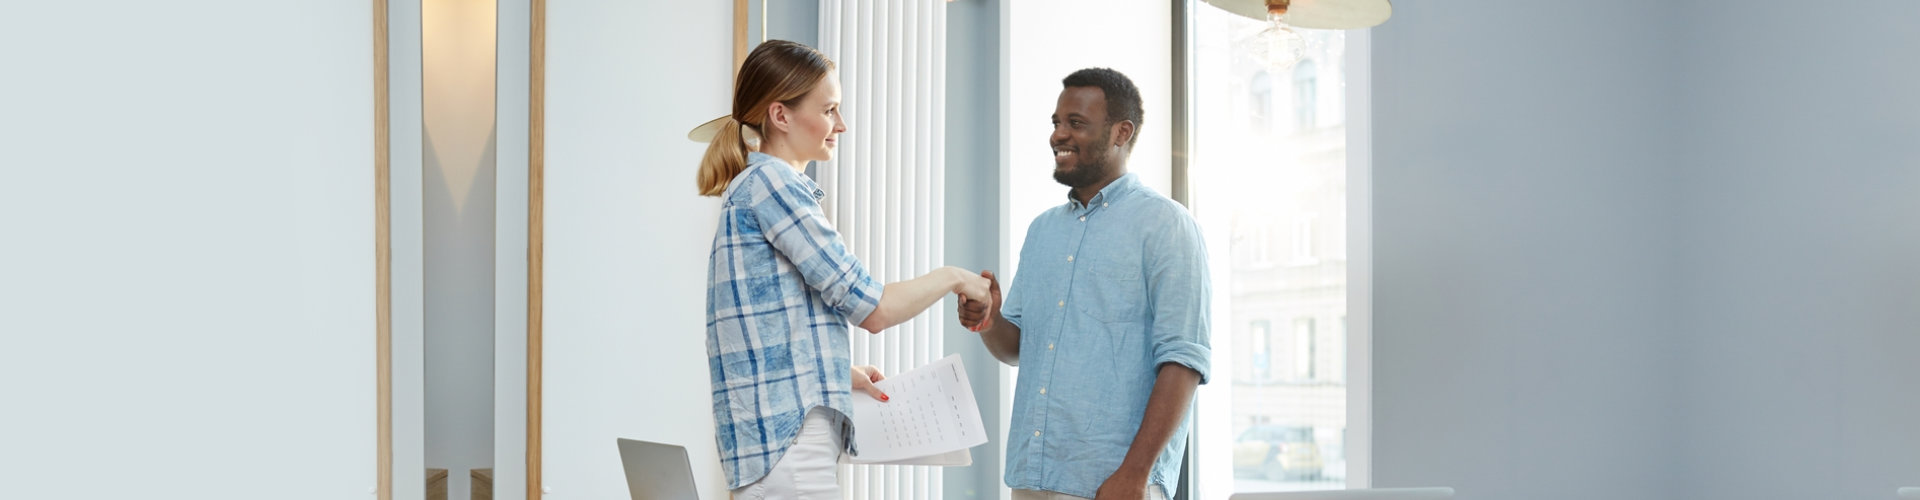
1305,101
1338,359
1303,240
1278,190
1260,103
1260,348
1303,350
1262,244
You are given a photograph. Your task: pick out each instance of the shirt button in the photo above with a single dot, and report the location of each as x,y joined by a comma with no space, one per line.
1043,390
1063,303
1103,204
1049,346
1083,218
1036,433
1069,258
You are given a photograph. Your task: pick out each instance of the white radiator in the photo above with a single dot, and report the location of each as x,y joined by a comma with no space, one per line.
886,187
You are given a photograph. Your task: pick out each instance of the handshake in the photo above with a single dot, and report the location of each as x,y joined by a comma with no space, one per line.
979,298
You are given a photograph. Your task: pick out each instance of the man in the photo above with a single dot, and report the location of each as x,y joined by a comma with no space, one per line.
1108,316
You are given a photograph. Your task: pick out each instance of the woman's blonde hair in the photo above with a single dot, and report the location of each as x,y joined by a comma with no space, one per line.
776,71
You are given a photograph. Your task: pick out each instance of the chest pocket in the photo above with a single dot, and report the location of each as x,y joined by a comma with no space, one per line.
1111,291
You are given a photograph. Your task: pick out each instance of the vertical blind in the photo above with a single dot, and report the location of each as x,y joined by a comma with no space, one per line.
887,184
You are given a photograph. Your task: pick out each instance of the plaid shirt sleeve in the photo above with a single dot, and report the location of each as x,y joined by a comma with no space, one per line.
788,209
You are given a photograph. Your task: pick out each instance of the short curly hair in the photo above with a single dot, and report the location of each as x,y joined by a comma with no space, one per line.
1123,98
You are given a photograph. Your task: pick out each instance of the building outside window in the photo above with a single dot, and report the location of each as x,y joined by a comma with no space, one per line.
1278,184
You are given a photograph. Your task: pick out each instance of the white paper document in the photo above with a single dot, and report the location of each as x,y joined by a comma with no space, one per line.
930,418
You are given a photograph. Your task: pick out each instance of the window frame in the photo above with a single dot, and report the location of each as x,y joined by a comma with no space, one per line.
1357,324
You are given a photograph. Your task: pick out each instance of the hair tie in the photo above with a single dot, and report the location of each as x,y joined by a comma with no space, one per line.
750,136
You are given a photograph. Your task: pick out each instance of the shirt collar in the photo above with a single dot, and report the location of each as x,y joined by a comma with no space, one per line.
1127,183
756,158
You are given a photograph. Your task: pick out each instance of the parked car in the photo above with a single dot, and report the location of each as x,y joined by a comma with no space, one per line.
1276,453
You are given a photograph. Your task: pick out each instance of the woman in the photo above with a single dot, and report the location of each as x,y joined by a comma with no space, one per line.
782,287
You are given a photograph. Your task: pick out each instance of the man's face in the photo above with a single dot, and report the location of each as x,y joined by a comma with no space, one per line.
1083,148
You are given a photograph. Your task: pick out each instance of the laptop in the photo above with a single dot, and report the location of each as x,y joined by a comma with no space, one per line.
657,471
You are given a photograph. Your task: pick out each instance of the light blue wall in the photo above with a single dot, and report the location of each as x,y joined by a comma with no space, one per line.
792,20
1525,339
973,195
1801,254
1655,250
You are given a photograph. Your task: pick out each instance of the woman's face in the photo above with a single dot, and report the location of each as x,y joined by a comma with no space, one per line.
815,124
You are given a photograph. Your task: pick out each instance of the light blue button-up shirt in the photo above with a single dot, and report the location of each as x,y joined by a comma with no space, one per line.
1105,294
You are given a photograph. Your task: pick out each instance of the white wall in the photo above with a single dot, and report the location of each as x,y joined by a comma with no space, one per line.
188,274
1802,288
512,83
1524,199
457,41
409,248
627,236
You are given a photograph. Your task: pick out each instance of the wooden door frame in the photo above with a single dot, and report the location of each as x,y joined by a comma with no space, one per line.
383,257
536,240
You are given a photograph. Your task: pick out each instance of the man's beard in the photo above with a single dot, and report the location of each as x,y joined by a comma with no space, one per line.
1087,168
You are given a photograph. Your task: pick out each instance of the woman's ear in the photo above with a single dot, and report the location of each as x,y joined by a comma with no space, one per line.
777,117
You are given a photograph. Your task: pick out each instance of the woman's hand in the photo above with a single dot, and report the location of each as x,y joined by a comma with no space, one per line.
863,378
977,316
972,287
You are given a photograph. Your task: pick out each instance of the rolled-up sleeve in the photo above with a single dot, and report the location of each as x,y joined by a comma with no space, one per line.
790,215
1181,294
1011,307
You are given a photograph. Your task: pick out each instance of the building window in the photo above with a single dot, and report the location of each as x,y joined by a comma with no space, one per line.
1260,103
1303,240
1339,358
1260,346
1305,99
1303,351
1263,245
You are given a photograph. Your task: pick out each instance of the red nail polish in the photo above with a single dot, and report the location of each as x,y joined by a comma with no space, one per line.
884,397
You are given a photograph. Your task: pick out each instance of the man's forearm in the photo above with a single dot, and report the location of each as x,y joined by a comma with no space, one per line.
1002,340
1166,407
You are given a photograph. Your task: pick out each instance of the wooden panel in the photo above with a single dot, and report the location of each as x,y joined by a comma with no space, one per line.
739,34
481,484
383,257
436,484
536,173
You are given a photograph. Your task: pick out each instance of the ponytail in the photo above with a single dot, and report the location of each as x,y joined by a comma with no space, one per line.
776,71
726,157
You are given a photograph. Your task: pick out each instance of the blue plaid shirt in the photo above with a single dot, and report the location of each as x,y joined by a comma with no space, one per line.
781,290
1107,292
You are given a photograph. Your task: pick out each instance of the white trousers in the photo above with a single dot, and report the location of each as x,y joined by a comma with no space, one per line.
810,470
